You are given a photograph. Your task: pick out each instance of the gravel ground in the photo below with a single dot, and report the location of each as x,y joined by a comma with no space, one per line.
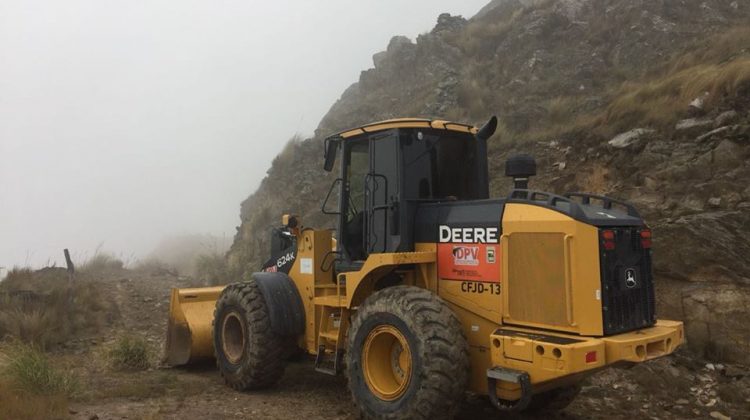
679,386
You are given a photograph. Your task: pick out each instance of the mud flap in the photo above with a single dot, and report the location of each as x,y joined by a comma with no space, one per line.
189,329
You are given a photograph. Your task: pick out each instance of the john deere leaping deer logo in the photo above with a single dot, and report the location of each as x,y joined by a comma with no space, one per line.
630,281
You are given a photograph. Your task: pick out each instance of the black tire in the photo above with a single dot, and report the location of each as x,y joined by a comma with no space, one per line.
439,362
554,400
248,353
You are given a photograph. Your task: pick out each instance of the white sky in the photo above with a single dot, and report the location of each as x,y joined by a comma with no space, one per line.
122,122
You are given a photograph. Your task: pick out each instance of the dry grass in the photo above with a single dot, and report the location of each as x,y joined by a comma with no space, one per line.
32,325
24,406
129,353
101,263
718,49
717,69
480,37
504,134
44,308
472,95
659,102
16,278
562,109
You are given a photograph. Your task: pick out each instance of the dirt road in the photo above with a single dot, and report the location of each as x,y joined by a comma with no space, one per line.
675,387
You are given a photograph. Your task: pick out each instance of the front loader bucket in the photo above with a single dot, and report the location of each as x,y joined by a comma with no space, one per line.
191,314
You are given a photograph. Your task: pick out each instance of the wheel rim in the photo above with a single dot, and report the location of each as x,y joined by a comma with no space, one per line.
232,337
386,362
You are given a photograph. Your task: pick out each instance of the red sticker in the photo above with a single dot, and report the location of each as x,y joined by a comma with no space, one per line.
471,261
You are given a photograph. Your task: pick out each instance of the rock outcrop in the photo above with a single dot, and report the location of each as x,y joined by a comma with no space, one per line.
603,94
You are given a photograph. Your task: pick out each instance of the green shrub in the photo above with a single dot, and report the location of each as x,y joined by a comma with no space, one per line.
29,370
130,353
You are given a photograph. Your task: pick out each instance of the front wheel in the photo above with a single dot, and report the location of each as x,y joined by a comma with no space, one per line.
407,356
248,353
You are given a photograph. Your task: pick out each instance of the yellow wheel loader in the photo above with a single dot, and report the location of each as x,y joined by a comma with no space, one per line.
429,288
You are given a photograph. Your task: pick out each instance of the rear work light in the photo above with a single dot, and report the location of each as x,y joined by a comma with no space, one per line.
609,239
646,238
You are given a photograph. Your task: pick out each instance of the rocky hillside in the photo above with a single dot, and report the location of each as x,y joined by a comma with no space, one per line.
644,100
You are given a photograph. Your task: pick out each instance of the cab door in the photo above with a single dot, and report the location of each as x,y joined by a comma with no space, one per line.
382,192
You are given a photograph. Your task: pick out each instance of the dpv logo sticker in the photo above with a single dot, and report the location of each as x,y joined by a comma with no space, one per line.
466,255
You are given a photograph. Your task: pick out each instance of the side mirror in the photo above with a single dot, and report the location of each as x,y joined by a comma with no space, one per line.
330,146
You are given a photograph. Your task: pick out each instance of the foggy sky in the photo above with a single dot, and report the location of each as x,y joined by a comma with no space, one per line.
122,122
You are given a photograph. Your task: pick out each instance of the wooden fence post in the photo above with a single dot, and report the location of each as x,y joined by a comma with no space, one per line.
71,275
69,264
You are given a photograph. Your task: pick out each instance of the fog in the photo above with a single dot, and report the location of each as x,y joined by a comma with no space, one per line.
122,122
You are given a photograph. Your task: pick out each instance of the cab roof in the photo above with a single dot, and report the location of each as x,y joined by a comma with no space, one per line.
407,123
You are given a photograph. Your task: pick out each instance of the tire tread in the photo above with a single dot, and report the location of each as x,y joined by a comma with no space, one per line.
263,364
445,358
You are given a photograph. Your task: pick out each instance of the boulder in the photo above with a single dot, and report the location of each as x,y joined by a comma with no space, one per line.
713,133
398,42
628,138
715,250
448,23
696,106
691,126
714,317
725,118
726,156
379,58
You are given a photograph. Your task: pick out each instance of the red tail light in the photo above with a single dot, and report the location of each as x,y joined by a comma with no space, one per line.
646,238
609,240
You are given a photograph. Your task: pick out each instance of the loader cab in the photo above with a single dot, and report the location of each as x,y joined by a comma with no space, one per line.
388,169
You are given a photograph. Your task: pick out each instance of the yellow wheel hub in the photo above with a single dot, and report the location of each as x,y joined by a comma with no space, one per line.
232,337
386,362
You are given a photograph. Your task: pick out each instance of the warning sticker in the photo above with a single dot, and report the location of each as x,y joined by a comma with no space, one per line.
305,266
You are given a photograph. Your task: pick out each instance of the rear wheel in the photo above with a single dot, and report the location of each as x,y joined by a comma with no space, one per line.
248,353
407,356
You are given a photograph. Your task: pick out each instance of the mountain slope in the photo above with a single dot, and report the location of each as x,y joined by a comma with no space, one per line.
600,92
